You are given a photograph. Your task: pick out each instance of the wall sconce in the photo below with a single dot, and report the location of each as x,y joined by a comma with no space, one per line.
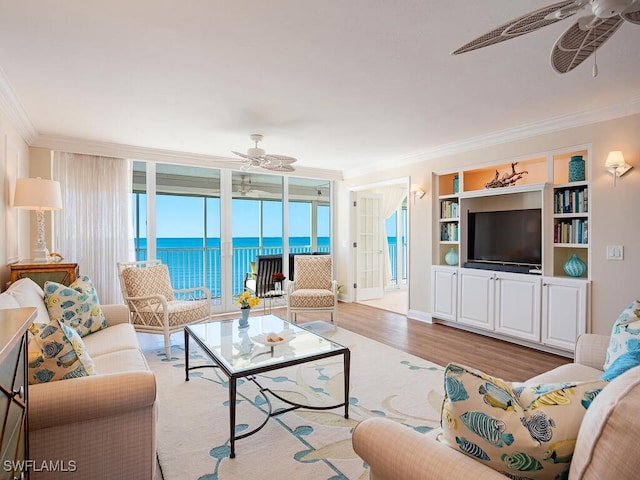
38,194
616,165
417,191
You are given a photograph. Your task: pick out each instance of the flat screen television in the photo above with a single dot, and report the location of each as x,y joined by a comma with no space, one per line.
509,237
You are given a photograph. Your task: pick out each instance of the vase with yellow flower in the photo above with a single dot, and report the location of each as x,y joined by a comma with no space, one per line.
246,302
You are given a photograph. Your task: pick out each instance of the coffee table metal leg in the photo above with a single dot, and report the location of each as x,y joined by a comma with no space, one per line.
347,369
186,355
232,417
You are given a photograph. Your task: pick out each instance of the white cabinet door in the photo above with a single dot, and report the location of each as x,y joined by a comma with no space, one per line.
475,297
517,305
444,292
564,311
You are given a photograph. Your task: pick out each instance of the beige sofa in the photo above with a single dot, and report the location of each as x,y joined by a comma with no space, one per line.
96,427
605,447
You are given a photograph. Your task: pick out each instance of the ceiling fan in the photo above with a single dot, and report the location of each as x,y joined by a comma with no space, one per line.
245,188
257,157
602,18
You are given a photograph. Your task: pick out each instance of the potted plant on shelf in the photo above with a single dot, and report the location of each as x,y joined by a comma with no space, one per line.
246,302
277,278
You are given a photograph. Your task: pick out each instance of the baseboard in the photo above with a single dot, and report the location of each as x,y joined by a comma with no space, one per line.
425,317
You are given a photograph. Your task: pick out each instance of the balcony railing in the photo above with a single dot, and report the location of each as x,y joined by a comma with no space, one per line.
195,267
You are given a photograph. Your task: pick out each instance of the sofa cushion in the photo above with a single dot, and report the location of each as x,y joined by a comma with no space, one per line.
121,361
607,445
575,371
76,305
7,301
29,294
625,334
522,430
306,298
117,337
56,352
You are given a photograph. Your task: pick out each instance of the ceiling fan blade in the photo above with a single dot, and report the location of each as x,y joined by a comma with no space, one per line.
279,168
525,24
280,158
632,14
576,44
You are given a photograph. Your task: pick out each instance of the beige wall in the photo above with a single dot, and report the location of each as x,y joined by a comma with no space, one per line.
12,145
615,213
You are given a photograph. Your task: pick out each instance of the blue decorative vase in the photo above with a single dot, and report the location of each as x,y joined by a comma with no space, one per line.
456,184
451,257
574,267
244,321
576,169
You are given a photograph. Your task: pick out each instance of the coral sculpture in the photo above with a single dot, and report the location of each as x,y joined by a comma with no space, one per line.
506,179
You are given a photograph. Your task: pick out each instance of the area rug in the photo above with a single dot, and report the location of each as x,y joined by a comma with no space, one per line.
193,424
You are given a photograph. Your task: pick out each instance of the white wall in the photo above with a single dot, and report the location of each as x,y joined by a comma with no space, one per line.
12,145
615,212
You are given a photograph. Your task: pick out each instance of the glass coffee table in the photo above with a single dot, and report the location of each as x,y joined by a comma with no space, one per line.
245,351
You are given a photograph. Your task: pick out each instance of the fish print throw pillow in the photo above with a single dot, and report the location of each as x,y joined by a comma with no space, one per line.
523,430
77,305
625,334
56,352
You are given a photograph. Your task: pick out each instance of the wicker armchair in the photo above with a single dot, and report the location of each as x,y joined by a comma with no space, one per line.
314,289
155,307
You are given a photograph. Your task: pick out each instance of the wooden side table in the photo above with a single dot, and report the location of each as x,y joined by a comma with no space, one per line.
64,273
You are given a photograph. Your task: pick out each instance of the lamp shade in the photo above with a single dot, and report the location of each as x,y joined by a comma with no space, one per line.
614,159
37,194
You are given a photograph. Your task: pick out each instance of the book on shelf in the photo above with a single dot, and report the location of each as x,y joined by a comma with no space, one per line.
448,209
449,232
571,200
571,231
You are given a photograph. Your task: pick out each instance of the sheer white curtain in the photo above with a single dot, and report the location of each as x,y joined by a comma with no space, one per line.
94,227
392,198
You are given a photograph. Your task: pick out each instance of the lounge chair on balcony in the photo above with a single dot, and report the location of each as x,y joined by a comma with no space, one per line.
260,282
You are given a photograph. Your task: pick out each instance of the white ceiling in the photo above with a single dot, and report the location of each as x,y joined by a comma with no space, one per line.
344,85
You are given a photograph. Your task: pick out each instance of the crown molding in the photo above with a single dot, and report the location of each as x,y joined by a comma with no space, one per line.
12,108
578,119
132,152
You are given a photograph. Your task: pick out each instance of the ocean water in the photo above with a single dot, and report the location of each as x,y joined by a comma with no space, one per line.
193,264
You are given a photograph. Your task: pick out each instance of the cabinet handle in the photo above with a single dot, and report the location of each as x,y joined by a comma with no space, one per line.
19,393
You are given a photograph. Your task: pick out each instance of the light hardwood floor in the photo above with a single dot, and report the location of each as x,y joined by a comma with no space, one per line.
439,344
442,344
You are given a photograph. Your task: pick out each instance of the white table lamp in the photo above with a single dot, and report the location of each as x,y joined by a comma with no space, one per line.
38,194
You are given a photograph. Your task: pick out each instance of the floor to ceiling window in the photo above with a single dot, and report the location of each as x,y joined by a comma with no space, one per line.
208,224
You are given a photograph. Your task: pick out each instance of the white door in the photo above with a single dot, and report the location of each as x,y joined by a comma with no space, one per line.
517,307
475,297
369,246
444,292
564,311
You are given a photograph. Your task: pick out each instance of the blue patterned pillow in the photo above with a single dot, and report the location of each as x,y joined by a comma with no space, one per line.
522,430
76,305
56,352
621,364
625,335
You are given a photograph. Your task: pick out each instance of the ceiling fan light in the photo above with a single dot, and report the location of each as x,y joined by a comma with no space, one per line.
255,152
610,8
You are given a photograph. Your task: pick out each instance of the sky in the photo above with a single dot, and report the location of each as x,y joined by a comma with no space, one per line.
183,217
